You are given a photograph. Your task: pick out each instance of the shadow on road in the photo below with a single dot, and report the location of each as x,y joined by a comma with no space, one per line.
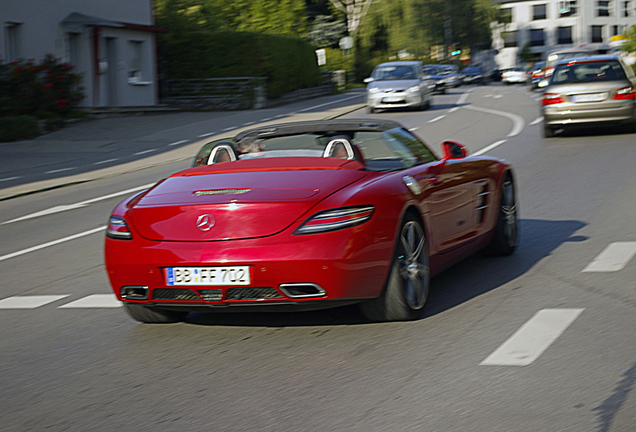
466,280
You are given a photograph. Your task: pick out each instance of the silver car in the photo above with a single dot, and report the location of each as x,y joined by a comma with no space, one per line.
399,84
589,90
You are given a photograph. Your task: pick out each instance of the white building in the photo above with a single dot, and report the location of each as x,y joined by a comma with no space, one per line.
547,25
110,42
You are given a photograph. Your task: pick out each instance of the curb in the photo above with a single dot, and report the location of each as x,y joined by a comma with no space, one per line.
186,152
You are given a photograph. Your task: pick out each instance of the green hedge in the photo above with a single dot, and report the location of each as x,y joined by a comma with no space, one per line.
288,63
16,128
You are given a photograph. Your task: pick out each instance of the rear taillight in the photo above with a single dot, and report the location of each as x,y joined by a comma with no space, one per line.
538,74
118,229
625,93
552,99
332,220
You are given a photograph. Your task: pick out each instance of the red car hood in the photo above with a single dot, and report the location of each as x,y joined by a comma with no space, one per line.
251,200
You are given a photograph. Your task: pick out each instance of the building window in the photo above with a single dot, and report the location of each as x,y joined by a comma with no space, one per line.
567,8
135,61
626,12
506,15
602,8
564,35
538,12
617,30
537,37
73,48
510,39
597,34
12,42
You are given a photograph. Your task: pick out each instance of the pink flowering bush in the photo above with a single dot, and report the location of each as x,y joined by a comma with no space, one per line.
45,89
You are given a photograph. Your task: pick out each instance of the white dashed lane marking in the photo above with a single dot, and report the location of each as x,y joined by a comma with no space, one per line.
533,338
59,170
182,141
105,161
613,258
9,178
29,302
145,151
94,301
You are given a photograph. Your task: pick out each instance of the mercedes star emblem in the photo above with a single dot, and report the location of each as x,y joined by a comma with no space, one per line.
205,222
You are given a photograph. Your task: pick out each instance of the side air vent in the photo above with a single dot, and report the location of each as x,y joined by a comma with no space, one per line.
482,203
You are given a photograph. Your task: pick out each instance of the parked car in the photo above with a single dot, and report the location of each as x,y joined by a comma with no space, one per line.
536,75
474,75
515,75
588,90
400,84
310,215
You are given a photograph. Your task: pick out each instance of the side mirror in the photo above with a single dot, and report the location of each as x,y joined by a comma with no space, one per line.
453,150
368,80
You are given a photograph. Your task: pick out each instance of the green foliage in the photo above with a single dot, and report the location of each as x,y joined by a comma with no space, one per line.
18,128
46,87
630,45
288,63
282,17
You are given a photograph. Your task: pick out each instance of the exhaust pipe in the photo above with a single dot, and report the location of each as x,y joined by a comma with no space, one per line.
302,290
134,292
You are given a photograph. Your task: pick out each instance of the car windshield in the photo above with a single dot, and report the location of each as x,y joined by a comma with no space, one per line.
577,72
392,149
393,72
472,69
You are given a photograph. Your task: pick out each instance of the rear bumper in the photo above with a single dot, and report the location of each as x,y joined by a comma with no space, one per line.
568,115
349,265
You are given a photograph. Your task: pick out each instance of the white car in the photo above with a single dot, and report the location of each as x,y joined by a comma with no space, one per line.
515,75
399,84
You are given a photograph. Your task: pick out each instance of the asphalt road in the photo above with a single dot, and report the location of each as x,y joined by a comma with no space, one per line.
77,362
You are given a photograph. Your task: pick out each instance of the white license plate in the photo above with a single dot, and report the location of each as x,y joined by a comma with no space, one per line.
392,99
229,275
595,97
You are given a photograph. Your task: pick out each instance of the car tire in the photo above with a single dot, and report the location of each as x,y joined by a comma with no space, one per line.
506,232
146,314
548,131
407,287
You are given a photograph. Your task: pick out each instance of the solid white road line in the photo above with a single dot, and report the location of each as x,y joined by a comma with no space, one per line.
330,103
533,338
9,178
182,141
490,147
105,161
52,243
61,208
436,119
613,258
59,170
94,301
536,121
144,152
452,110
517,121
29,302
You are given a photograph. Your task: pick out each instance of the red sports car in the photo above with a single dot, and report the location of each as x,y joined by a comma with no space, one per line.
304,216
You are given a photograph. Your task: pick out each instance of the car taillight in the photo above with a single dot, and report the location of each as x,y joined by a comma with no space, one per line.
548,71
118,229
332,220
538,74
552,99
625,93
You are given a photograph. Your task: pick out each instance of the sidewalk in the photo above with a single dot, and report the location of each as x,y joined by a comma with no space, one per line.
107,147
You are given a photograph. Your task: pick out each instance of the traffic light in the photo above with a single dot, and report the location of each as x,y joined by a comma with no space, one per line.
456,52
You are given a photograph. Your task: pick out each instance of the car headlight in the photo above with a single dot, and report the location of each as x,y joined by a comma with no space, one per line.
415,88
373,90
336,219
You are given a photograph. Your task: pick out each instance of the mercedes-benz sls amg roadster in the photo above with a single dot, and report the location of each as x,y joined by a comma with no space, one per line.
302,216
